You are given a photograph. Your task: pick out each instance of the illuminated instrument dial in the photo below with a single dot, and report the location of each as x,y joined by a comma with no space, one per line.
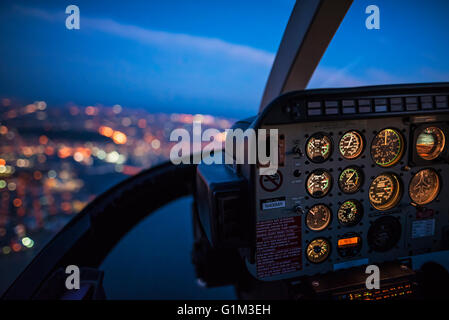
350,179
424,186
430,143
319,147
319,183
318,217
350,213
387,147
385,191
318,250
351,145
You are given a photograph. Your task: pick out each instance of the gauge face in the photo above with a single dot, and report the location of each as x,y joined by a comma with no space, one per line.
351,145
387,147
319,147
350,179
318,217
318,250
430,143
385,191
319,183
384,234
424,186
350,213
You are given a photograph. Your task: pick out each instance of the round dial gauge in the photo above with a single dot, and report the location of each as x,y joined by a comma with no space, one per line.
319,147
351,145
318,217
385,191
387,147
319,183
350,213
424,186
318,250
350,179
384,234
430,143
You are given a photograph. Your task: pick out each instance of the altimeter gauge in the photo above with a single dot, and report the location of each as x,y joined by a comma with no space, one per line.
387,147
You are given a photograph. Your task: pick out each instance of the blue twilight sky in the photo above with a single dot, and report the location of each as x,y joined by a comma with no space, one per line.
202,56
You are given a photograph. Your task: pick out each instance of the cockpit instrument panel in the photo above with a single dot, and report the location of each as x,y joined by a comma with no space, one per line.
365,184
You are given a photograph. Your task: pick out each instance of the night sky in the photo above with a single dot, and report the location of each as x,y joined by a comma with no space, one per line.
201,56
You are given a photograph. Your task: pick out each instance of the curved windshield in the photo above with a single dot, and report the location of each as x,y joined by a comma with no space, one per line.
83,109
387,42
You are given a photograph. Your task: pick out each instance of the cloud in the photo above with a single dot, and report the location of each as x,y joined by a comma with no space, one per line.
147,36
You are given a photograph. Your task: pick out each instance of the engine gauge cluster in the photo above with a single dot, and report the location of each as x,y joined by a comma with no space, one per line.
351,145
319,183
350,213
350,179
319,147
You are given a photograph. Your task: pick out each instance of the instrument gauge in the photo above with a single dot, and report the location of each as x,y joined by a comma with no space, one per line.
350,179
318,217
384,234
351,145
424,186
318,250
387,147
319,147
430,143
319,183
350,213
385,191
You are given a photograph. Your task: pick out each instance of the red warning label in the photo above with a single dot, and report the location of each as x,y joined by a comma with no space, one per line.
278,247
272,182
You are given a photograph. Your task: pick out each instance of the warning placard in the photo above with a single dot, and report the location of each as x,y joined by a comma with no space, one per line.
278,246
271,183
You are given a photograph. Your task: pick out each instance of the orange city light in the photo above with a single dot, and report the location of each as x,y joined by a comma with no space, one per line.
119,137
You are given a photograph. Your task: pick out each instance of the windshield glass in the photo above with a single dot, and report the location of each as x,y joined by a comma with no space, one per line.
83,109
410,46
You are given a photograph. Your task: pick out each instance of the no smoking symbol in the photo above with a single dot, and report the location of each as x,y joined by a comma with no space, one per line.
272,182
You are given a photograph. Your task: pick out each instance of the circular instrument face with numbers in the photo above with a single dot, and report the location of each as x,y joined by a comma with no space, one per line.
318,217
318,250
424,186
351,145
385,191
350,179
319,147
350,213
430,143
319,183
387,147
